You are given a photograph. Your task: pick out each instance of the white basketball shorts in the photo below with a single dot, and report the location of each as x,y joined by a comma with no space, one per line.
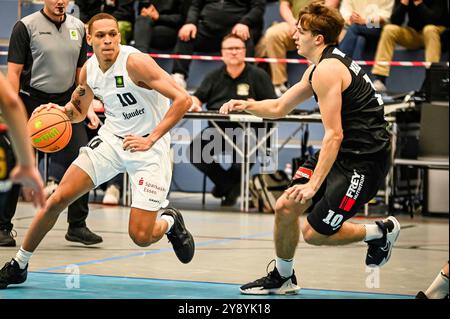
150,172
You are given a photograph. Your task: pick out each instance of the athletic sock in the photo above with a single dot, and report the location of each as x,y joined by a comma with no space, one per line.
372,232
285,267
170,221
439,288
22,257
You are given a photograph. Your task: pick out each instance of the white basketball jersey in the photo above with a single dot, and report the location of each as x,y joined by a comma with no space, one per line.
129,108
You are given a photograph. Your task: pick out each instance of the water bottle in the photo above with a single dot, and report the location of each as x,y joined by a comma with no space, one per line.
288,170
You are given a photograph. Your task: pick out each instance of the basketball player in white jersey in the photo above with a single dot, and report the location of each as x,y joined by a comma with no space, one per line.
134,139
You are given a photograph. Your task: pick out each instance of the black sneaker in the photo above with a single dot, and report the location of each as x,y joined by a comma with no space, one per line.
83,235
421,295
272,284
231,198
180,238
7,238
12,274
380,250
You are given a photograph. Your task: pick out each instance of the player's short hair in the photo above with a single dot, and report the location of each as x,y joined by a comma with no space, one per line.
320,19
100,16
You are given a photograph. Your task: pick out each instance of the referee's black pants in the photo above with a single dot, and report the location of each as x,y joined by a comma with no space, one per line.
58,164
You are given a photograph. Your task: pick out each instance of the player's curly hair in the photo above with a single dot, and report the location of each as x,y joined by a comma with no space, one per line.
321,19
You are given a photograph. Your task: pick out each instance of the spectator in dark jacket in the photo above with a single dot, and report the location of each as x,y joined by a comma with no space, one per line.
88,9
123,11
208,21
158,23
427,19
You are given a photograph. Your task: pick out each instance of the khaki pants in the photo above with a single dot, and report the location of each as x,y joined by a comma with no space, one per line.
275,43
409,38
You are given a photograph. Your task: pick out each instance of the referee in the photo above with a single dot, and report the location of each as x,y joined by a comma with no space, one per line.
46,52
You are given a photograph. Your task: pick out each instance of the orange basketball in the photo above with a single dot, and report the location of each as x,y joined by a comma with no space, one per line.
50,130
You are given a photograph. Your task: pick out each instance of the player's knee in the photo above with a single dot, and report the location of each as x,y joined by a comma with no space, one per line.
311,236
288,209
141,238
57,202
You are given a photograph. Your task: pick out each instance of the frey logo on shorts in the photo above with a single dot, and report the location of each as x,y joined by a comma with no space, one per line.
352,192
303,172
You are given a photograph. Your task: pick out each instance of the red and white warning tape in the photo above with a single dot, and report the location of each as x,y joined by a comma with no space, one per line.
275,60
292,61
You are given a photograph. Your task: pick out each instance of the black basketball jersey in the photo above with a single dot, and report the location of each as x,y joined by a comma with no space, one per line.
364,127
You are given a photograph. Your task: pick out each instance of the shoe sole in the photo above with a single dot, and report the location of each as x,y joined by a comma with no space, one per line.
392,237
77,240
292,290
10,244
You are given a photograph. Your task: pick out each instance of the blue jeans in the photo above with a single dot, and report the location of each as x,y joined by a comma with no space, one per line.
356,38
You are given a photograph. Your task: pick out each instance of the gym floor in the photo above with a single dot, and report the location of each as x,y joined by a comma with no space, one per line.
232,248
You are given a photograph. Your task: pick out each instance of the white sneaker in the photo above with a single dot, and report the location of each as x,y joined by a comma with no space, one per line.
112,195
280,89
179,79
379,86
50,188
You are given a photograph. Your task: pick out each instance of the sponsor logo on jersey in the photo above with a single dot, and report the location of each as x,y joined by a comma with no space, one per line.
141,182
73,34
353,191
119,81
135,113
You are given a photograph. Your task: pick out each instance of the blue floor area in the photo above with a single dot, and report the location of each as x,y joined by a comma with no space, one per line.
58,286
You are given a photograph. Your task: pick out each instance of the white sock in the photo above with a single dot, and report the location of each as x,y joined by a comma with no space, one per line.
372,232
22,257
169,220
439,288
284,266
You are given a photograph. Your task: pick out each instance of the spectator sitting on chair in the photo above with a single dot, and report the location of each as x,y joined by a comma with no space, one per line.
158,23
209,21
278,40
364,20
236,79
427,19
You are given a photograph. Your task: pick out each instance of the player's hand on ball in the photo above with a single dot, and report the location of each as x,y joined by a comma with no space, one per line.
48,106
233,105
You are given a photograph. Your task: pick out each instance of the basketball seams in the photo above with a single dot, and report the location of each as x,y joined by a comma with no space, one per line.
65,119
62,134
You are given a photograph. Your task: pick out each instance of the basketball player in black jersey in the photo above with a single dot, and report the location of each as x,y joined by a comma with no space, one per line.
353,161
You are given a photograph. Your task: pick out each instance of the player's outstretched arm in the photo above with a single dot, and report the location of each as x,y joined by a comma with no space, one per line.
274,108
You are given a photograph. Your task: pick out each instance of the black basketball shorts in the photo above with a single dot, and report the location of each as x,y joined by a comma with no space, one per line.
352,182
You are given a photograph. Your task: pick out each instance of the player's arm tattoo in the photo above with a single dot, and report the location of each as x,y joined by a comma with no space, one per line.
79,92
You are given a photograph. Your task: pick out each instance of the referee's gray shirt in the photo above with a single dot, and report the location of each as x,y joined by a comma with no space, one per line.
51,52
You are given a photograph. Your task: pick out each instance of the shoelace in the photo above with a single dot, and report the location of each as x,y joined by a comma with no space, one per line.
270,275
12,232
